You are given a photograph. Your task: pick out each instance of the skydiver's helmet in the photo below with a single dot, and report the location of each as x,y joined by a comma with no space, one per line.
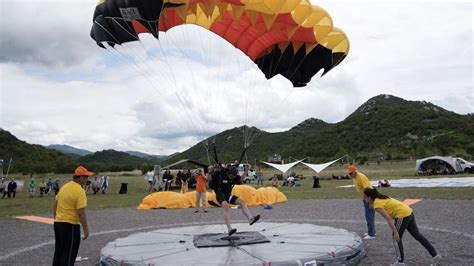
232,170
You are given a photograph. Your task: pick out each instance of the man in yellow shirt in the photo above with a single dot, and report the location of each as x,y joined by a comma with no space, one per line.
69,215
361,183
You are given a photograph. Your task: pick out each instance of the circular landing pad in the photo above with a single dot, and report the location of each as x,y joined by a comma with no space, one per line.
285,244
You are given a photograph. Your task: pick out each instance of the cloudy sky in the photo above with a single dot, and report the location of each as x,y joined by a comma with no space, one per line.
59,87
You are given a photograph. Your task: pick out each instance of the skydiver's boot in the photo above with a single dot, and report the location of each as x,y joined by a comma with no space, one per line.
232,231
254,219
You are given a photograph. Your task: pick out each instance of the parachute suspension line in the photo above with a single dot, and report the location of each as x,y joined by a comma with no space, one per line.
283,101
244,111
173,76
207,152
215,95
194,87
187,112
130,31
196,91
173,88
248,131
149,67
126,59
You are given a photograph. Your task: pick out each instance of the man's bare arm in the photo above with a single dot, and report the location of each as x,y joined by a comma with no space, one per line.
81,213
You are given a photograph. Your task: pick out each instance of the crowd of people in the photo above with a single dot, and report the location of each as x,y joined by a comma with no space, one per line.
47,188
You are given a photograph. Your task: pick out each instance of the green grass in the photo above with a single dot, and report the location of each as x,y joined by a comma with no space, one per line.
23,205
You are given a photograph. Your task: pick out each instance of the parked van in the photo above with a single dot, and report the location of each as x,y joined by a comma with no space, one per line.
250,173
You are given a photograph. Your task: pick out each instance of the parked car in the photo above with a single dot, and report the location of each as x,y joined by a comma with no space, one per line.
467,167
250,173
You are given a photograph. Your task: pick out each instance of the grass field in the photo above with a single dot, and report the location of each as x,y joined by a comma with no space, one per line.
23,205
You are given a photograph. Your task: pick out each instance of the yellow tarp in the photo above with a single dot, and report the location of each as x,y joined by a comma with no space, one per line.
175,200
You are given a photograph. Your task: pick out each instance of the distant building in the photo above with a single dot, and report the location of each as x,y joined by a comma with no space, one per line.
276,158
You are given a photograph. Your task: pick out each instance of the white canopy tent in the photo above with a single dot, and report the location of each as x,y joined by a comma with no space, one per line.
283,167
320,167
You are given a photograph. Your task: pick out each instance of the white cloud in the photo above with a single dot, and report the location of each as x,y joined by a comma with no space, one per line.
57,86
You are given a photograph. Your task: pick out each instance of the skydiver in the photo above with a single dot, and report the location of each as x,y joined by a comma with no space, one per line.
223,180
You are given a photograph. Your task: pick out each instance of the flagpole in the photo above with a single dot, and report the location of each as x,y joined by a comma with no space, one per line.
8,169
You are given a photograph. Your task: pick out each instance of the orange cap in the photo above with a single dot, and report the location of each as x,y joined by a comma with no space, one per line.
82,171
351,168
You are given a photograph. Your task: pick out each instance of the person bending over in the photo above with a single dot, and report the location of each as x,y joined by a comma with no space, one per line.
399,217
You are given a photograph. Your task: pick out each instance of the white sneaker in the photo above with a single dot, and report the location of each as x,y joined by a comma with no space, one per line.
435,260
397,263
367,237
366,234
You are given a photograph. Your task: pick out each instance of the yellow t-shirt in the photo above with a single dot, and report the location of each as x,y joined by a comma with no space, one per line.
393,207
361,182
71,197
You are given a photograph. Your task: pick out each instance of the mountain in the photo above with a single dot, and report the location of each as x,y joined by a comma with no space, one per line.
28,158
146,155
112,160
31,158
66,149
384,127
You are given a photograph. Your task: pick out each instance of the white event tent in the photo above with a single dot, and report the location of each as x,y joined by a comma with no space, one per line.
283,167
320,167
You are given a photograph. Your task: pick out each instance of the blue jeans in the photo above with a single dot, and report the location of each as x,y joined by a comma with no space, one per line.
370,218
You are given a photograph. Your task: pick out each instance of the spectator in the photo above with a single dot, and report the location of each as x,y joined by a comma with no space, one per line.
189,177
69,214
275,181
200,190
361,183
3,187
42,187
56,186
49,186
260,179
384,183
87,186
290,181
31,186
11,188
184,180
316,182
149,178
105,183
95,185
167,179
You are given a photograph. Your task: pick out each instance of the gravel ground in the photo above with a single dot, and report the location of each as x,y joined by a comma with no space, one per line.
446,223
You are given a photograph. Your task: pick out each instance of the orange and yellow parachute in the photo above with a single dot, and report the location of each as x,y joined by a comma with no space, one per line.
289,37
174,200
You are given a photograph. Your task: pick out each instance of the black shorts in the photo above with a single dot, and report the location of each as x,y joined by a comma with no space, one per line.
221,197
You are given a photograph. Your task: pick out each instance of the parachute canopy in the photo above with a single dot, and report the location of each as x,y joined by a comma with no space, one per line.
288,37
174,200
